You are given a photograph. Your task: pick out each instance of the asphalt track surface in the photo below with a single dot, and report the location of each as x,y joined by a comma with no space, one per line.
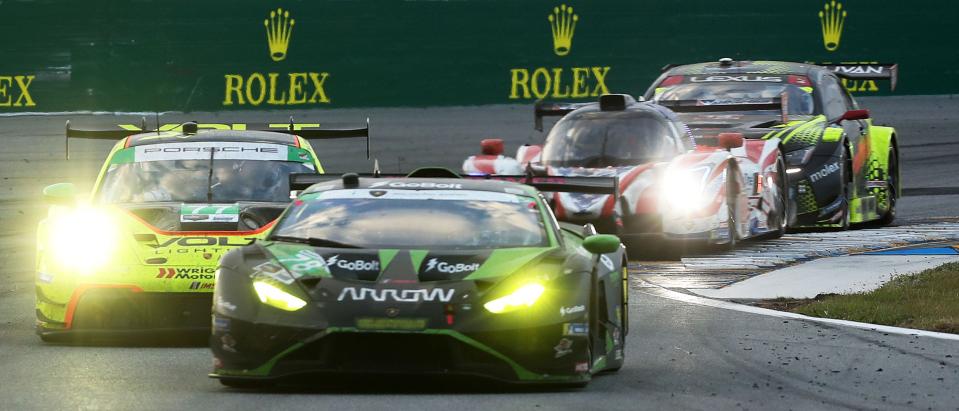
679,355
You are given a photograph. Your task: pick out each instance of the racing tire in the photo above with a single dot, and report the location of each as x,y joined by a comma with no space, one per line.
245,384
782,185
846,178
892,182
731,195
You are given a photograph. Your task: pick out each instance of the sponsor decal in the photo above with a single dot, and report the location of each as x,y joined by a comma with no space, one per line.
15,91
575,329
304,262
202,151
824,172
228,343
395,295
353,265
768,79
391,323
559,82
564,311
448,268
581,366
229,213
199,285
404,184
274,271
618,354
45,278
186,273
832,18
221,323
224,305
276,89
563,348
607,262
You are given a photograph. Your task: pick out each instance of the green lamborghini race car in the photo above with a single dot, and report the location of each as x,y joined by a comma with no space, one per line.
841,167
444,276
140,253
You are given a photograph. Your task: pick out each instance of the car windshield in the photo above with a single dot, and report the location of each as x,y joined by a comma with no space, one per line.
418,219
799,99
606,139
149,174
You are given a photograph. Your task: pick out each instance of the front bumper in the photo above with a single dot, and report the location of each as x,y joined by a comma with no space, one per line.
244,350
109,312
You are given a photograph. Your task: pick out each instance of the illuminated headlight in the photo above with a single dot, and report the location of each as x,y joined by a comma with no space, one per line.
277,298
799,157
684,190
524,296
84,239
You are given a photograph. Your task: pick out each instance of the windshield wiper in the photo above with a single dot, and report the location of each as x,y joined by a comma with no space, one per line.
316,242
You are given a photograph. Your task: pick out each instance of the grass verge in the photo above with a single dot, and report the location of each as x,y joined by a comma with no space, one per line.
928,301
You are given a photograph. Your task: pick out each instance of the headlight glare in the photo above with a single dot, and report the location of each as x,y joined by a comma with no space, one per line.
524,296
83,239
277,298
683,190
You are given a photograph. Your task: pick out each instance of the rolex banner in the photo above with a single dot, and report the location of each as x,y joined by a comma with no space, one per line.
213,55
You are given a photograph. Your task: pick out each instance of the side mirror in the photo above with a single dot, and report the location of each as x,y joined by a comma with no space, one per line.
860,114
601,244
60,194
729,141
492,146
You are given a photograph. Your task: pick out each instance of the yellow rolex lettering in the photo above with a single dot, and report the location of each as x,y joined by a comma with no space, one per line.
234,84
24,92
558,90
273,100
580,76
256,77
537,91
297,95
319,94
5,99
600,74
519,78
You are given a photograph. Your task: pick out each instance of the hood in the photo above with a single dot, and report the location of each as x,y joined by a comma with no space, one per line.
300,261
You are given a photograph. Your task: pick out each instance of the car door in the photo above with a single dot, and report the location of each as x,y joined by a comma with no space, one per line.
836,102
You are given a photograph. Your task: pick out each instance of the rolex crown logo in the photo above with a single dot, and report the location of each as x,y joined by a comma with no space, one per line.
563,23
832,18
279,30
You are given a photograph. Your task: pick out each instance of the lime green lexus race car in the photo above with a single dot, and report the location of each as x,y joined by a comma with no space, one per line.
140,253
841,167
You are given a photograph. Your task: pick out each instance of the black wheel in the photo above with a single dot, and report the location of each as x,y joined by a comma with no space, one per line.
244,383
892,193
846,179
732,194
782,213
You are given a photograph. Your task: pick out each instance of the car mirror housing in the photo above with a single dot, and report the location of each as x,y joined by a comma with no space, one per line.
601,243
729,141
60,194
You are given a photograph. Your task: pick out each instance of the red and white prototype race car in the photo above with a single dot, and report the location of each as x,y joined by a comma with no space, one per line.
717,188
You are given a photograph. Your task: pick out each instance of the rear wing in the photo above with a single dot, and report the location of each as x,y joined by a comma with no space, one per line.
866,71
585,185
305,130
701,106
552,109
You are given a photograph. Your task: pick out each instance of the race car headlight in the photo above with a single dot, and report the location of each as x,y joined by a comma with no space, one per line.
277,298
684,190
84,239
799,157
524,296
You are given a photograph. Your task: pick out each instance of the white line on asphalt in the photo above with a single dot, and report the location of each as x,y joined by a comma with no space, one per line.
653,289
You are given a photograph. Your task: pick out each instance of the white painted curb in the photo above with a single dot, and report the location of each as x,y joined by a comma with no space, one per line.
653,289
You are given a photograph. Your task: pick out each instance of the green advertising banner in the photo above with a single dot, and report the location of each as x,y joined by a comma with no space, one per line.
175,55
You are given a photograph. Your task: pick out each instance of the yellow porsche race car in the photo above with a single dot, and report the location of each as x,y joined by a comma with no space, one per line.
140,254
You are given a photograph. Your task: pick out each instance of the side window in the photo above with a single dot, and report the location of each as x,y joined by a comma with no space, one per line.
833,97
